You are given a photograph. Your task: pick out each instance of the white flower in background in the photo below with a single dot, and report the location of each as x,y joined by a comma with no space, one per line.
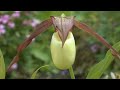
112,75
27,36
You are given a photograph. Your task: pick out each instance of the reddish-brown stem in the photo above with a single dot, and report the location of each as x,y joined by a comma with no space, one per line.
39,29
85,28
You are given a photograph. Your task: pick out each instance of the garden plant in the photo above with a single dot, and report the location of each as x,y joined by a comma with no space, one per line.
63,48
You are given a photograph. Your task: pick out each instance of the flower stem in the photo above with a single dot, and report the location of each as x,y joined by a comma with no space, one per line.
71,73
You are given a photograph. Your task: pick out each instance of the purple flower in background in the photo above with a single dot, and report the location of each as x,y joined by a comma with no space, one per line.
11,24
14,66
16,14
95,48
2,29
9,21
2,26
4,19
35,22
64,72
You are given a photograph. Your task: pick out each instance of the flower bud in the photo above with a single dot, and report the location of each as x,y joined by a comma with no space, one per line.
63,57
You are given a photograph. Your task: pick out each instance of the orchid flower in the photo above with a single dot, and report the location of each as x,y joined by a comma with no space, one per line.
63,49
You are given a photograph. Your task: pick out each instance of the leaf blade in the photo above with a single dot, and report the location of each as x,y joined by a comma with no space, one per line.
35,72
98,69
2,66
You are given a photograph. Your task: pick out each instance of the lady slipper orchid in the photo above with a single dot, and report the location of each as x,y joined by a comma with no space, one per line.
63,57
62,43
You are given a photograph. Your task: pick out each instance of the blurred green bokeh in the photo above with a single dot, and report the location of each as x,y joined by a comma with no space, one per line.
89,49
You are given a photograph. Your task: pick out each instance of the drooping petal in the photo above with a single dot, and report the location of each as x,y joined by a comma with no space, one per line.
39,29
87,29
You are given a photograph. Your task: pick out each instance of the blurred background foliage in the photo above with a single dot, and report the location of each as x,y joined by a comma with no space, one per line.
15,26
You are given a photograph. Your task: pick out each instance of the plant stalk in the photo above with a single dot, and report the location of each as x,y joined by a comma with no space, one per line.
71,73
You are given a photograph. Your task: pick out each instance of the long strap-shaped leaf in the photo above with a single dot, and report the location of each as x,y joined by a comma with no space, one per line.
98,69
39,29
85,28
2,66
35,72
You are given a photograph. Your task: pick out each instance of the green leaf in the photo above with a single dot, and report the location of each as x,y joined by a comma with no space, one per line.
2,66
35,72
97,70
42,55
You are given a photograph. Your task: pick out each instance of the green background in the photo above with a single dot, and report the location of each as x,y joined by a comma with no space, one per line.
37,54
